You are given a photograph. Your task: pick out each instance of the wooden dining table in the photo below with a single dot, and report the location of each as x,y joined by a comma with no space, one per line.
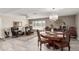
52,37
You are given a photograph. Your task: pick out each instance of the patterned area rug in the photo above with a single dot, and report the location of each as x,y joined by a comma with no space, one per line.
23,38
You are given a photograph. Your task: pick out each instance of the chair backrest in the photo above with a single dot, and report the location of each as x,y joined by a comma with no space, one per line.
72,31
47,28
13,29
38,34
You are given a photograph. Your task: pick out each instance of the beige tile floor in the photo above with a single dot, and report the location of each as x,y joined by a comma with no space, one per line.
29,43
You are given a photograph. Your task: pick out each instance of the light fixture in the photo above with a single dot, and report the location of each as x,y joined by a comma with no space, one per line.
53,17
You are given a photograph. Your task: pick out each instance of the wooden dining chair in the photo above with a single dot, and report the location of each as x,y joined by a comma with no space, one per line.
41,40
65,42
73,32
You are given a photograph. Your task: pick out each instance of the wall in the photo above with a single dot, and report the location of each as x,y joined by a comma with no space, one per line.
77,25
7,21
69,20
1,26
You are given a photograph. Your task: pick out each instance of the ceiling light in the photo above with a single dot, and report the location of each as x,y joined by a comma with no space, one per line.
53,16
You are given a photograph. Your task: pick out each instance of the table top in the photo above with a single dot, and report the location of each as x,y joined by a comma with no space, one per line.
52,35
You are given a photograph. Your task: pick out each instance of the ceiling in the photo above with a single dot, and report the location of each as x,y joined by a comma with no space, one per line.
39,12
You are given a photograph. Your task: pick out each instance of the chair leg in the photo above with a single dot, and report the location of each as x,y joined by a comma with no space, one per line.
68,48
61,49
38,43
40,46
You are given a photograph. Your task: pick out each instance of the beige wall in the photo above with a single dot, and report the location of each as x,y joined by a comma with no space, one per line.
7,21
69,20
77,25
1,26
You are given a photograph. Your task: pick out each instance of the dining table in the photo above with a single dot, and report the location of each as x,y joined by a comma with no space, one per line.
52,37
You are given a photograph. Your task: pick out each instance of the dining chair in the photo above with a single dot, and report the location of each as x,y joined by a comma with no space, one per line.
65,42
73,32
41,40
47,28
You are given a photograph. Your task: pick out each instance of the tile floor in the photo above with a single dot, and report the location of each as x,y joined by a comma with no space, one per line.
29,43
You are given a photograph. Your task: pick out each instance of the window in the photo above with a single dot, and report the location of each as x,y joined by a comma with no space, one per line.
38,24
